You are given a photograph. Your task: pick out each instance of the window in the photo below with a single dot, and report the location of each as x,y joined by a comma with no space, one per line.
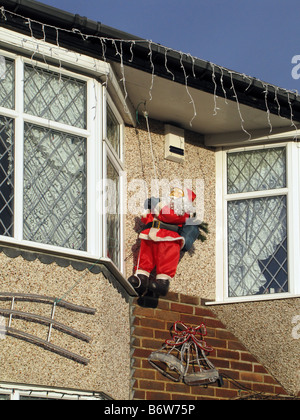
257,226
114,169
113,220
113,131
7,79
54,96
55,188
260,214
6,176
59,138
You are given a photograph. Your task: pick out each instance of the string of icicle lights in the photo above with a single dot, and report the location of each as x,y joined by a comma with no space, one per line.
118,45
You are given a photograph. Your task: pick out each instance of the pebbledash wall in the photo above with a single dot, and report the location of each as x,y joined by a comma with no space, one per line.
267,353
196,271
108,370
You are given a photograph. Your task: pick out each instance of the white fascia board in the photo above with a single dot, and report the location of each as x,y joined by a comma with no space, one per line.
40,48
49,53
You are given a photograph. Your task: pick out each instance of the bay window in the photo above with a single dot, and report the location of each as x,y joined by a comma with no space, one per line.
60,136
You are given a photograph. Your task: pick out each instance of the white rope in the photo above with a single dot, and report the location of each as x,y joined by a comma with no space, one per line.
239,108
145,113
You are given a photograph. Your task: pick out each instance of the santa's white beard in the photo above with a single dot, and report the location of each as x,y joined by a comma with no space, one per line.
180,205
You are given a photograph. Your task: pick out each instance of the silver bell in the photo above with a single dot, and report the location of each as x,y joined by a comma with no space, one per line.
168,362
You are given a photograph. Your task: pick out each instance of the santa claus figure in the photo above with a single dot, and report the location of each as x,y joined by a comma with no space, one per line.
161,241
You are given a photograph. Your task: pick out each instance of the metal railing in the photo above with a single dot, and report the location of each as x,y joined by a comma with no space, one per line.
51,322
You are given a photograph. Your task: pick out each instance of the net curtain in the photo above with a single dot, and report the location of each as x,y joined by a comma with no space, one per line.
256,227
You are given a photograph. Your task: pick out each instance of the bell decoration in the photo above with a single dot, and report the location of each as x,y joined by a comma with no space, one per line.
168,362
184,357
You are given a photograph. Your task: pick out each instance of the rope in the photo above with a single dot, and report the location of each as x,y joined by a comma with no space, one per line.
146,115
77,282
155,172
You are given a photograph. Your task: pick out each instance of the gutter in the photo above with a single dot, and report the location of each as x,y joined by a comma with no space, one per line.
60,18
187,70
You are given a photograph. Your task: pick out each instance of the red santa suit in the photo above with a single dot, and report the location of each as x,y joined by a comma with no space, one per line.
161,247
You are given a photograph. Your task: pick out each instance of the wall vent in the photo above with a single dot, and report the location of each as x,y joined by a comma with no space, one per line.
174,143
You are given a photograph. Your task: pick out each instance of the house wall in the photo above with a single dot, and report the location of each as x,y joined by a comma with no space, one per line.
267,330
196,271
109,351
264,328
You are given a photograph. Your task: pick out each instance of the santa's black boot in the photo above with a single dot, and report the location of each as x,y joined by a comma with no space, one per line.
159,286
139,282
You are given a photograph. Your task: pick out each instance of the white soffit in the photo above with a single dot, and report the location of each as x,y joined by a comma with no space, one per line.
176,104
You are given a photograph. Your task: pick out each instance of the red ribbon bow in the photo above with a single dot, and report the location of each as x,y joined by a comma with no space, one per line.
183,334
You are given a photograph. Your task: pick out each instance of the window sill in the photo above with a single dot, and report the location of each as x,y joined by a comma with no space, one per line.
260,298
68,254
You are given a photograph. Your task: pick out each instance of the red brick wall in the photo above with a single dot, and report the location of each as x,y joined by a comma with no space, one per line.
151,329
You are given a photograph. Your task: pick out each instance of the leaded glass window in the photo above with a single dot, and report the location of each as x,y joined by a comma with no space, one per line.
6,176
55,187
256,170
113,214
55,97
257,226
7,83
113,131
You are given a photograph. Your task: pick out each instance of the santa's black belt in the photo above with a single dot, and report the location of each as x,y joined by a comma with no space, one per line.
161,225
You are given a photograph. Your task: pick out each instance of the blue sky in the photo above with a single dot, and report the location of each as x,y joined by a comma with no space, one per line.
255,37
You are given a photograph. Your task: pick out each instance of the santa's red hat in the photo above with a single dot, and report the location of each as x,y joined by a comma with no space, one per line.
191,195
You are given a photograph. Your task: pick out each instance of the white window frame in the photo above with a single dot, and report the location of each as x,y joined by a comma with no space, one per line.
293,222
96,74
118,164
16,391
